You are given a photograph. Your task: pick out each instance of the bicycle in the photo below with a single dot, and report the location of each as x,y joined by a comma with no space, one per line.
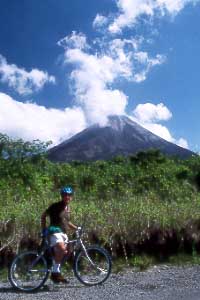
30,270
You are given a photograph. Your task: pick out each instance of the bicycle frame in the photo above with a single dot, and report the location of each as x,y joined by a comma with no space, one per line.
79,241
30,269
75,242
47,247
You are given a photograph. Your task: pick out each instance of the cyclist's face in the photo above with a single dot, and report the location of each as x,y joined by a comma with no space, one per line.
66,198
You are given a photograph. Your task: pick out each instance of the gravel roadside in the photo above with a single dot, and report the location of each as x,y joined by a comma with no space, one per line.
160,282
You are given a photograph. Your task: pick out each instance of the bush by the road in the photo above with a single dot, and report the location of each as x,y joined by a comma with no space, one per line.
143,203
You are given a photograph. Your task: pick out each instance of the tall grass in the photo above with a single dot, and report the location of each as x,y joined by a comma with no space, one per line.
142,204
126,225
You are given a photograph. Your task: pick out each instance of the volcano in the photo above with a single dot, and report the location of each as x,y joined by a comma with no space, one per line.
121,136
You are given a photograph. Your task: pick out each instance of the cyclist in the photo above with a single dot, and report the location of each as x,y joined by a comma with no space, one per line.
59,215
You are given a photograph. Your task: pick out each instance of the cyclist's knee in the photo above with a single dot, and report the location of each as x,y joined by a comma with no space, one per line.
60,247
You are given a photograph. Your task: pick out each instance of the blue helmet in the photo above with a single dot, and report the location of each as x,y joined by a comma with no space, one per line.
67,190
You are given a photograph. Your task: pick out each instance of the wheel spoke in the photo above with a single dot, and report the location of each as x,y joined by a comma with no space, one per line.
28,271
93,268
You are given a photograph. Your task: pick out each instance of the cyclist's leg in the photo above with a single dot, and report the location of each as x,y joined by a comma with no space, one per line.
58,242
59,251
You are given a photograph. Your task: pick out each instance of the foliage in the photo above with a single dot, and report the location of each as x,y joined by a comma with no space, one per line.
122,201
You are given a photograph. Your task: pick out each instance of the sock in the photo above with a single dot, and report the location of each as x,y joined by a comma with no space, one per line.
56,268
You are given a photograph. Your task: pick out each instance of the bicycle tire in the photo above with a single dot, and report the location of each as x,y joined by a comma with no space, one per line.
94,273
28,271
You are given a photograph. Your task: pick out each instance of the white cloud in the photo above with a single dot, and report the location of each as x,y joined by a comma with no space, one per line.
20,80
94,75
31,121
183,143
173,7
100,21
131,10
146,63
132,63
164,133
135,64
91,79
95,71
148,115
75,40
149,112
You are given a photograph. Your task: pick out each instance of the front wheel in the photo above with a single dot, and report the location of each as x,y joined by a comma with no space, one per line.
93,266
28,271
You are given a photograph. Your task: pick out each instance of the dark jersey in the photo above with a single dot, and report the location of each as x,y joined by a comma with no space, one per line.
59,215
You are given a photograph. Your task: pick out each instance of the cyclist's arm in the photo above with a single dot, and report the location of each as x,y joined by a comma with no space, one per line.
72,226
69,223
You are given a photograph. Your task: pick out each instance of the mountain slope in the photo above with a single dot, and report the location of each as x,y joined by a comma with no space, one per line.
121,136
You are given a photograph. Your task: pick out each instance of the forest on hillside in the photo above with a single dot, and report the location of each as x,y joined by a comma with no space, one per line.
142,203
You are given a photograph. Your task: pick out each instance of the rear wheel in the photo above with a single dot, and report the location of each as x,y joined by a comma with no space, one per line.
94,267
28,271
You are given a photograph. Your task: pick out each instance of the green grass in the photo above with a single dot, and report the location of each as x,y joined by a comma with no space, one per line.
128,220
3,275
184,259
129,205
144,262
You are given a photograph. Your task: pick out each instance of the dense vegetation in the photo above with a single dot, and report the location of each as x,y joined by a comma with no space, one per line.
144,203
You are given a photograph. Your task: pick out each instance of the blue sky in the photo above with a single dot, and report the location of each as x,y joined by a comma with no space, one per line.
67,64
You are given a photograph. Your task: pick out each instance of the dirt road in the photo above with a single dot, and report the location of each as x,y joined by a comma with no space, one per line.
157,283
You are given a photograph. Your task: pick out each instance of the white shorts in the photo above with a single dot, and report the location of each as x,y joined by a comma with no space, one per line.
58,238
